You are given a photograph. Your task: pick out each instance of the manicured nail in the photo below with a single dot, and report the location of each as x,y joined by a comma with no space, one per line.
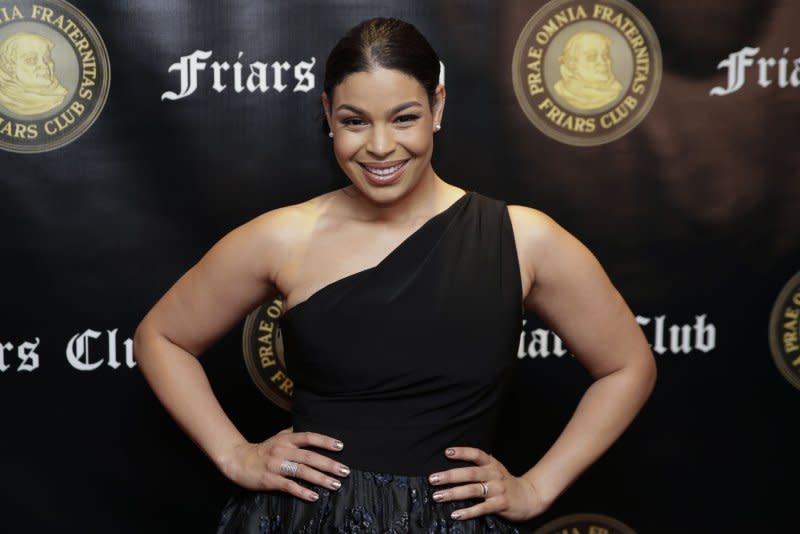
434,479
438,496
450,452
455,515
314,496
343,470
336,484
338,444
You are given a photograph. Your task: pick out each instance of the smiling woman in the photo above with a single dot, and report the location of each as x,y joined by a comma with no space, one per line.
397,382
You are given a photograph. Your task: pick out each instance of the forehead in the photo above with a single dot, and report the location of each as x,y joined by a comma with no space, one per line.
591,41
378,88
32,44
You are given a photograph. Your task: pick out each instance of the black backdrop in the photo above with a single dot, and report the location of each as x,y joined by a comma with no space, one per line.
693,214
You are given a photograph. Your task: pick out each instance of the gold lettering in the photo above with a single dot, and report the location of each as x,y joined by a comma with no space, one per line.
790,341
602,12
59,22
285,383
18,130
535,86
619,113
78,108
64,119
6,17
558,21
566,120
45,14
266,356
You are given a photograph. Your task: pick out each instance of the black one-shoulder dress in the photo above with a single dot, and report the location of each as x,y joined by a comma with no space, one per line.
400,361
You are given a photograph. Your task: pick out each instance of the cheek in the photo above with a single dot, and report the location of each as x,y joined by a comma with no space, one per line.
417,142
346,147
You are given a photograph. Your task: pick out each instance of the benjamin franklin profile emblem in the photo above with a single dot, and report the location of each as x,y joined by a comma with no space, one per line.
586,73
54,74
262,346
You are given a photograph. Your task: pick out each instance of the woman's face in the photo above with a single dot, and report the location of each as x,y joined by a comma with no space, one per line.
383,131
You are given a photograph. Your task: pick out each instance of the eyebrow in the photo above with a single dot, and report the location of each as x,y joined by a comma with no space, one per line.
396,109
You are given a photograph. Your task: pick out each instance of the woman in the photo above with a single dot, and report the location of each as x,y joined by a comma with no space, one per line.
397,376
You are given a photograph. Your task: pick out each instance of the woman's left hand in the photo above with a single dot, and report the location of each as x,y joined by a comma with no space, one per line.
514,498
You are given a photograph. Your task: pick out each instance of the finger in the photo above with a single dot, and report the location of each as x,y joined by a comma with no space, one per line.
286,430
302,439
470,454
462,474
311,458
464,491
486,507
305,472
282,483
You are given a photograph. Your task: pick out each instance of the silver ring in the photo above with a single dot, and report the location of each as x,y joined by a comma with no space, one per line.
288,468
484,489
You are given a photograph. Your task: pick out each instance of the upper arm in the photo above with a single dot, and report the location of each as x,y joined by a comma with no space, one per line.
569,290
230,280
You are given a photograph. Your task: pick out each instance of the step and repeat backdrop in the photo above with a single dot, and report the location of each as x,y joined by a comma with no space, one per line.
136,133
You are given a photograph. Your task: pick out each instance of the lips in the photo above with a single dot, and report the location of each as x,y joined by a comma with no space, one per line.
383,173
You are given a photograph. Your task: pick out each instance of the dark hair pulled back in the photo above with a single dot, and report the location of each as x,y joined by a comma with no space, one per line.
383,42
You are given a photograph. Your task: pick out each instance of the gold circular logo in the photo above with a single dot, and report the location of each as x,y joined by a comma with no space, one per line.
784,331
54,75
586,73
262,346
585,524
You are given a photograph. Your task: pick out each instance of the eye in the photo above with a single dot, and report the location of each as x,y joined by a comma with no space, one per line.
405,119
352,121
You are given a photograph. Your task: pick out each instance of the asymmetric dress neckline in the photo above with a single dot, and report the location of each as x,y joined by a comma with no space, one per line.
404,243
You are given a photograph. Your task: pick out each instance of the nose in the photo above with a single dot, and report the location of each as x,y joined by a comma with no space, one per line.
381,141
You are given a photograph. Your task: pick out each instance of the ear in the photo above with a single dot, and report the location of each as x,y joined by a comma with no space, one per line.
438,104
326,107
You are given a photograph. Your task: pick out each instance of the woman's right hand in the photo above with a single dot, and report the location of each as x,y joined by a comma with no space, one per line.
256,466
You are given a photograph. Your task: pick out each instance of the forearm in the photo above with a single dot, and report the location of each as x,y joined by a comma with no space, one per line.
604,412
181,384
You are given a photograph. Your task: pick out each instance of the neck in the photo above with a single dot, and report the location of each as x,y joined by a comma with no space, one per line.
427,197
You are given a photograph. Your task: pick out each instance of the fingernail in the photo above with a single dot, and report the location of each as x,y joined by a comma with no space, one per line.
336,484
450,452
455,515
314,496
438,496
338,444
434,479
343,470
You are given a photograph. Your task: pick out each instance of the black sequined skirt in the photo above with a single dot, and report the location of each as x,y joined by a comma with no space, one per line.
368,502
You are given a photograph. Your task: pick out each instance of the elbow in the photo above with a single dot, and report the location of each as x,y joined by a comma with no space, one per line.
649,372
140,342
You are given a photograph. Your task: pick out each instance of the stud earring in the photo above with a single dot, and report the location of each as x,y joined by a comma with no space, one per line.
438,127
330,134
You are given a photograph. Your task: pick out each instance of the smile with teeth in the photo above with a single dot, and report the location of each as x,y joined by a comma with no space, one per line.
384,171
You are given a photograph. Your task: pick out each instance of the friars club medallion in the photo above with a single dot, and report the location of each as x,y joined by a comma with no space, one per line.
586,73
54,74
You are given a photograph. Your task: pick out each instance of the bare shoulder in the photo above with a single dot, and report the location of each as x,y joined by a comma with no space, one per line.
239,272
281,231
535,233
532,226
